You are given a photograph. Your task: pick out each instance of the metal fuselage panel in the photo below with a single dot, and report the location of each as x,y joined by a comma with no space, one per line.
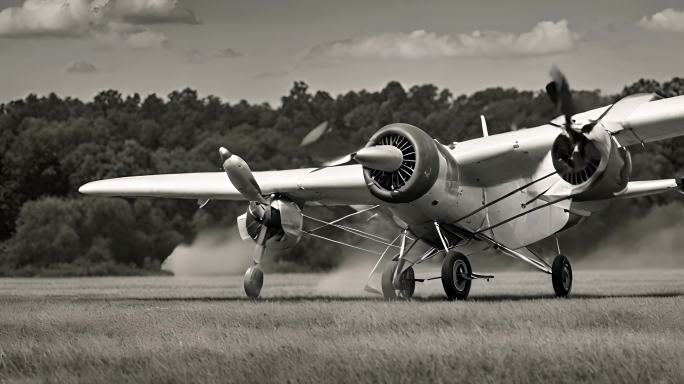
460,191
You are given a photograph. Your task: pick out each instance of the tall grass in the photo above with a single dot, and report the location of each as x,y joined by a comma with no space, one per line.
619,327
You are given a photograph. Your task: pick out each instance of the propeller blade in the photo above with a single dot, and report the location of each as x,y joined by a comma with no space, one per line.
315,134
241,176
344,160
559,93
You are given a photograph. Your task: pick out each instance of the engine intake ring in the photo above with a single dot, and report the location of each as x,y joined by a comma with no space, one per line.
421,165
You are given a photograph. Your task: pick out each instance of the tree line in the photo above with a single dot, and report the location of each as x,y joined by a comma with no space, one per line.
50,145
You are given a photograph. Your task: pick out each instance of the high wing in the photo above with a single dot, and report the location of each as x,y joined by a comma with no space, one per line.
343,185
638,119
632,120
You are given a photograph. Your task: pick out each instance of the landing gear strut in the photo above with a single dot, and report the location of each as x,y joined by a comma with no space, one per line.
254,277
561,276
405,286
456,276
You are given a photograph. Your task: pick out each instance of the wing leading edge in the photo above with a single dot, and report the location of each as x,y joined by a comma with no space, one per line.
343,185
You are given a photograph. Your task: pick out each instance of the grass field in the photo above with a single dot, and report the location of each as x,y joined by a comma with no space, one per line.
618,327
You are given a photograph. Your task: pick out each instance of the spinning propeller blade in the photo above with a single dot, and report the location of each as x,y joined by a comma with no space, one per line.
381,157
315,134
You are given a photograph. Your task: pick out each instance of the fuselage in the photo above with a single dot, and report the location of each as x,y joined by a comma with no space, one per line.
488,196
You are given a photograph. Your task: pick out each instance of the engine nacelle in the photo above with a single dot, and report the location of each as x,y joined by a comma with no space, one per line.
418,171
284,227
603,168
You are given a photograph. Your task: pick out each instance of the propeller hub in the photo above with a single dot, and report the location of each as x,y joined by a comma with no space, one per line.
387,158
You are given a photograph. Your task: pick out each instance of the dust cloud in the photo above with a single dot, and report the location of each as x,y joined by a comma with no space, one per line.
214,252
654,241
349,278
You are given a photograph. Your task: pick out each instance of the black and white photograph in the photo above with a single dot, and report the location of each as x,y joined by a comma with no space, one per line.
320,191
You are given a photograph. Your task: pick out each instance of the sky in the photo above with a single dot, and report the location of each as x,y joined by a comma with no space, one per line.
256,49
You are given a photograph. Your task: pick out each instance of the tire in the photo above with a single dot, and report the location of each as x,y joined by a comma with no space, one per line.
407,283
455,269
254,280
561,276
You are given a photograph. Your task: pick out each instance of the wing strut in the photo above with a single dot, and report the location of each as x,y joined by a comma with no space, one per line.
503,197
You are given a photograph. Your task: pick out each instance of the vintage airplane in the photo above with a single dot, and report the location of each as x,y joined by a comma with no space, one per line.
505,191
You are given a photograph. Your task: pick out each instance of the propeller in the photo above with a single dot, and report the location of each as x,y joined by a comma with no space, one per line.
572,152
241,176
578,153
243,180
385,158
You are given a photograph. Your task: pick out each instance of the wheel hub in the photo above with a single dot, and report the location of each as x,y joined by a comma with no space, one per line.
460,273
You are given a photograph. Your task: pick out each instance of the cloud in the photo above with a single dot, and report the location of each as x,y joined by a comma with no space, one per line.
81,67
197,56
194,56
668,20
133,36
151,11
111,21
41,17
546,37
145,39
229,53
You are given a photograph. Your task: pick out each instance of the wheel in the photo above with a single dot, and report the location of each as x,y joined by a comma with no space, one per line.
254,280
407,283
561,276
456,273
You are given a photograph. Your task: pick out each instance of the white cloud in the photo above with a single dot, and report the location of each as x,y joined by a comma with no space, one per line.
546,37
113,21
81,67
133,36
151,11
667,20
44,17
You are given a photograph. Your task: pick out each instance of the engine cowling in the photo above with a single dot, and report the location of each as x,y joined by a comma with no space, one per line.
419,168
284,224
601,169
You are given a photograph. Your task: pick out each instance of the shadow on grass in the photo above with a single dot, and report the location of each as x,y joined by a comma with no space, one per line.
323,298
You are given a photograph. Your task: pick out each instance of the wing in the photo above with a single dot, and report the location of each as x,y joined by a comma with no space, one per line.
650,187
343,185
637,119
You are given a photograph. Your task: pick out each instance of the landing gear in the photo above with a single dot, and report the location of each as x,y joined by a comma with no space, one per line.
254,277
406,282
561,276
456,276
254,280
